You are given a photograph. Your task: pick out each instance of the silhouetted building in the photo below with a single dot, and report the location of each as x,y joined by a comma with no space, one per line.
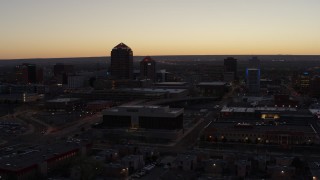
215,89
253,80
29,73
39,78
228,76
305,82
32,73
63,104
75,81
230,65
146,117
33,162
210,73
61,68
284,134
121,62
164,76
315,87
148,69
284,100
61,72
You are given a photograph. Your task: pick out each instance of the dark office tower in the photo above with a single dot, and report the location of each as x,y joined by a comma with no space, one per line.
61,72
230,65
253,80
39,75
121,62
21,74
254,62
60,69
29,73
314,87
32,73
148,69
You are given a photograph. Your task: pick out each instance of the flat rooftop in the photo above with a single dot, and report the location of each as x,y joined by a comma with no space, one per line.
171,83
143,109
225,126
253,109
24,157
98,102
215,83
61,100
154,90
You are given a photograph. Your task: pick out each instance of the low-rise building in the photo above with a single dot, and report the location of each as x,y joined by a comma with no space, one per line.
243,168
217,89
75,81
109,155
145,117
148,152
214,166
96,106
267,115
172,85
37,161
133,162
127,94
185,162
269,134
115,170
63,104
314,167
281,172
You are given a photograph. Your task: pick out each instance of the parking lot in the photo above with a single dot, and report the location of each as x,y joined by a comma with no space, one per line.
11,128
150,171
61,118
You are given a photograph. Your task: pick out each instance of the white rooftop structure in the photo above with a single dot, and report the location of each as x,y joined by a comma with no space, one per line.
61,100
139,110
253,109
215,83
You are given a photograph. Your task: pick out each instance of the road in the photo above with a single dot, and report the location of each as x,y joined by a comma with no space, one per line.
41,132
187,142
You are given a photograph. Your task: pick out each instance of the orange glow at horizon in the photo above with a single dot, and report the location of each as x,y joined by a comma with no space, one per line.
79,28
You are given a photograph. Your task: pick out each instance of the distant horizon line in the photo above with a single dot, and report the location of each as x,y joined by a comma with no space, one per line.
71,57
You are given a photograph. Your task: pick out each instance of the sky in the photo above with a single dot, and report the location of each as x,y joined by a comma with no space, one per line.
86,28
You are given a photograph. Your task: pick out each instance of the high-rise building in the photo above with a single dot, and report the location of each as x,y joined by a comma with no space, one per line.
253,80
230,65
39,75
303,82
314,87
121,62
145,117
148,69
75,81
29,73
32,73
61,72
61,68
210,73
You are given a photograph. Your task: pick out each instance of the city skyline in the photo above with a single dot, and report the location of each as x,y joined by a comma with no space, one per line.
47,29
